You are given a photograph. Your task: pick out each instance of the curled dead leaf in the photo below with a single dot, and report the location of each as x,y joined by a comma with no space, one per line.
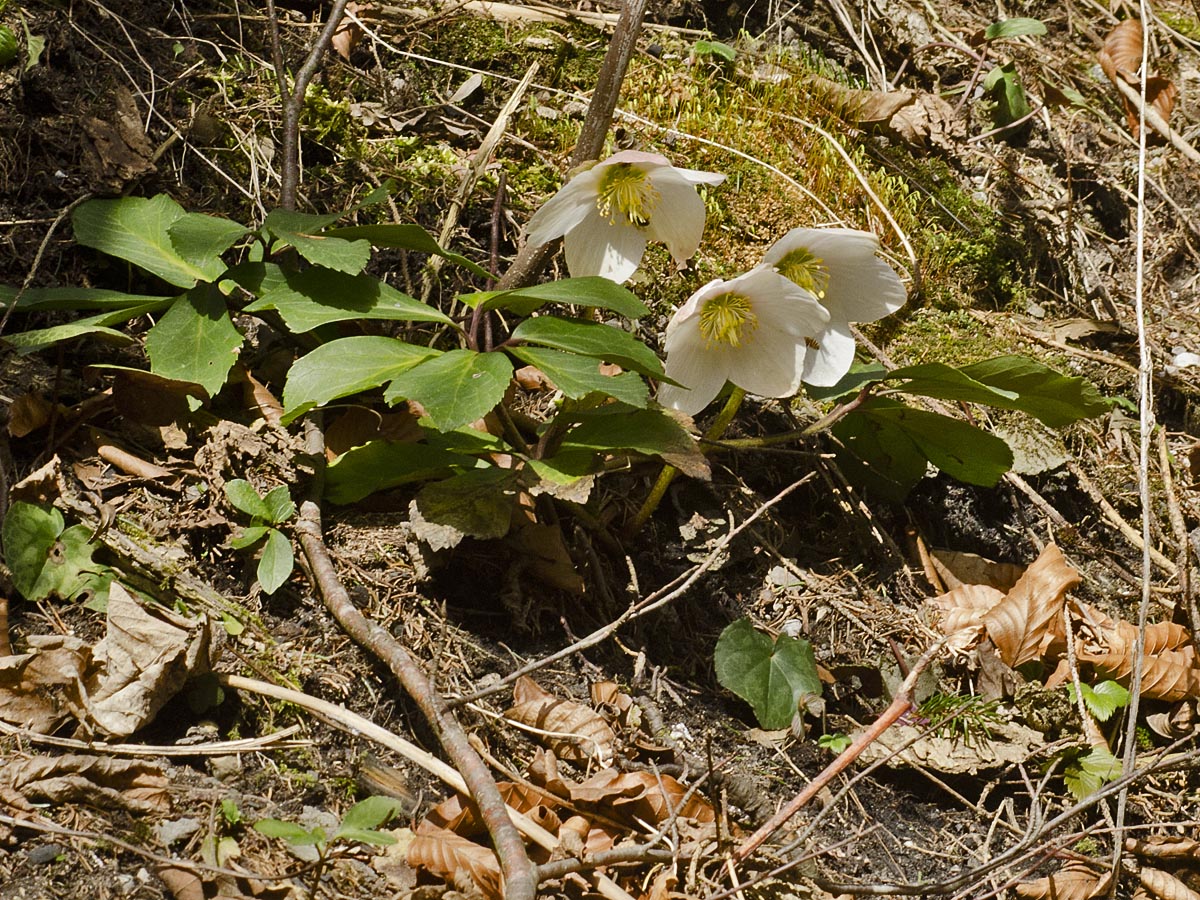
573,731
965,606
1121,59
1075,881
955,568
1164,846
1165,885
457,861
1020,624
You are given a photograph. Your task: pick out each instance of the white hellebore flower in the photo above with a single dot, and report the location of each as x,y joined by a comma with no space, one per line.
606,214
840,267
752,330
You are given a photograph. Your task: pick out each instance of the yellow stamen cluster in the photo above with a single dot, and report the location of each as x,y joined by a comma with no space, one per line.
626,195
727,319
806,270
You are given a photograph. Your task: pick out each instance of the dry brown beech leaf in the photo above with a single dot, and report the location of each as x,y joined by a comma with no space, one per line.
1170,675
647,796
459,815
965,606
1164,846
1021,621
955,568
1121,58
576,733
1165,885
453,858
1075,881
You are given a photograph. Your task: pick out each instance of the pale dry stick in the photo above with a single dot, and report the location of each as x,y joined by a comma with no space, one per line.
1186,599
870,192
1152,116
519,875
673,590
1127,531
356,725
898,707
1145,430
483,156
276,741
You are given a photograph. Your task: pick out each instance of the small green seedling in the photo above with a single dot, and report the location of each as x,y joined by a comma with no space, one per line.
276,562
360,825
1102,700
1087,773
835,743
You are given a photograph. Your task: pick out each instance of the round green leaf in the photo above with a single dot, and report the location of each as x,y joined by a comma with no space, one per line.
772,676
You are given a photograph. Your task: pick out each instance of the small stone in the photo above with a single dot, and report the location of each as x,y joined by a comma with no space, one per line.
46,854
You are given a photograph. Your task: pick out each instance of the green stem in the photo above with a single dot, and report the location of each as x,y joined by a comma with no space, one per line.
824,423
668,473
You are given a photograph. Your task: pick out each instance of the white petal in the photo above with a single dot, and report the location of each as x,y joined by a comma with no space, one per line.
695,176
598,247
690,363
678,220
862,287
770,364
826,366
566,210
790,309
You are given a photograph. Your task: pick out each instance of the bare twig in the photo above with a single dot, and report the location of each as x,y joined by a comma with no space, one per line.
531,260
899,706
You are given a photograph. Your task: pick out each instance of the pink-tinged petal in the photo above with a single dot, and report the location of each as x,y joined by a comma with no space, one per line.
695,176
598,247
678,219
833,357
566,210
770,364
638,158
691,363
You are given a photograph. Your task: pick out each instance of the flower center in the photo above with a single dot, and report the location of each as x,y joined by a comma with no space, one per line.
727,319
806,270
626,195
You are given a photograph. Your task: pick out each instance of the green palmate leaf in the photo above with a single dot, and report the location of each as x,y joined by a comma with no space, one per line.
885,446
29,535
859,376
257,277
652,432
8,45
591,339
279,504
318,296
1003,85
577,376
369,814
1009,28
1008,382
455,388
1091,772
344,367
98,326
601,293
200,239
405,237
77,298
1102,700
772,676
138,230
47,559
195,340
275,564
477,504
381,465
304,232
1054,398
242,495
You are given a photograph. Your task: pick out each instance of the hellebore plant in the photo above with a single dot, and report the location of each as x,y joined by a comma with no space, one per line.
606,214
751,331
840,268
